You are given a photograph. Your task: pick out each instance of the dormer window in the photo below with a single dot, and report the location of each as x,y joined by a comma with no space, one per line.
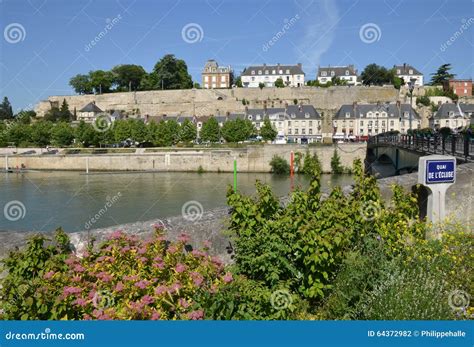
257,117
253,72
347,72
398,71
348,114
287,71
410,72
266,72
324,73
293,115
273,72
280,72
259,72
306,115
332,73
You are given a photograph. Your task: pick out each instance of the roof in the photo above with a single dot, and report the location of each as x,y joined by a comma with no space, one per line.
405,70
91,107
338,70
302,112
117,115
211,66
454,110
361,110
294,70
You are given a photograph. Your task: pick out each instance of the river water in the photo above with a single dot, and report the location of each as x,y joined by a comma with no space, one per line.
43,201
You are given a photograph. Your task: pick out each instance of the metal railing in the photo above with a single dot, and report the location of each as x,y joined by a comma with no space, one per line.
460,145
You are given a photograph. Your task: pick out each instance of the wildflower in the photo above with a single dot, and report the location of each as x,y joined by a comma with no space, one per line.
119,287
196,315
116,235
80,302
155,315
180,268
198,253
141,250
197,278
125,249
206,244
158,265
142,284
79,268
143,259
76,278
183,303
130,278
160,290
71,291
172,249
48,275
70,261
147,300
158,259
228,278
184,238
175,287
105,277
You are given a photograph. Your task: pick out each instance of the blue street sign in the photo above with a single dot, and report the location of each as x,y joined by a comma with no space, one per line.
440,171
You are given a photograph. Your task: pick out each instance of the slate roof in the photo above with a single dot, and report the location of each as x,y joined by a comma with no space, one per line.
392,110
294,70
405,70
338,71
454,110
91,107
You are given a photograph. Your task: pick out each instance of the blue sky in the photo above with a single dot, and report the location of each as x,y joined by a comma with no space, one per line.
44,41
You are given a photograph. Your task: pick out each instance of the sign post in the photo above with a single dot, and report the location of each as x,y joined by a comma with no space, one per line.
437,173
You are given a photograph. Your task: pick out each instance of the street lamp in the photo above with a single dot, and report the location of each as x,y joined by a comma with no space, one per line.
411,86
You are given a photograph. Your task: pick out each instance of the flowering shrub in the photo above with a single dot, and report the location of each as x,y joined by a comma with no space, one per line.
126,278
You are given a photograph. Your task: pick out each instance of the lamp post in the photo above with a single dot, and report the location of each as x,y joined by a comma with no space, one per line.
411,87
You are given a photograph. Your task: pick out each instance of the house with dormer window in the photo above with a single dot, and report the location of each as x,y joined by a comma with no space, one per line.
347,73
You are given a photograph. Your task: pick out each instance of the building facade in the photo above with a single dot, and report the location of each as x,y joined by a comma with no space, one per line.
461,87
454,116
215,76
291,75
346,73
359,121
89,112
407,73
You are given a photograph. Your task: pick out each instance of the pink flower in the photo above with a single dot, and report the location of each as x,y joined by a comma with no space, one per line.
48,275
198,253
141,250
183,303
142,284
79,268
70,261
71,291
228,278
119,287
184,238
116,235
197,278
172,249
206,244
91,294
196,315
159,265
180,268
125,249
80,302
76,279
175,287
130,278
105,277
158,259
147,300
143,259
160,290
155,315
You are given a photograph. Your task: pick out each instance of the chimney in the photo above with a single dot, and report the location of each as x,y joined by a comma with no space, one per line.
398,103
404,66
300,65
354,105
246,109
227,113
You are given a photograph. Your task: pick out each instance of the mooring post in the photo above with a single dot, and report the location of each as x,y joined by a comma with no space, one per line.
6,162
87,165
235,174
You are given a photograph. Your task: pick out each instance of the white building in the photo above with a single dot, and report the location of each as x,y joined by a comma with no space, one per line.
292,75
363,120
347,73
408,72
454,116
89,112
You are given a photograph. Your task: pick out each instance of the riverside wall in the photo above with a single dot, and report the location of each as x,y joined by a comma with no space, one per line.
249,159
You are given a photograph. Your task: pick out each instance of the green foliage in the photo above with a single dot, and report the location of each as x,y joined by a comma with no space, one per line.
336,166
374,74
279,165
86,134
200,169
101,81
311,164
210,130
237,130
62,134
6,110
81,84
128,76
21,135
279,83
442,75
171,73
267,131
238,82
261,85
423,100
167,133
295,101
187,131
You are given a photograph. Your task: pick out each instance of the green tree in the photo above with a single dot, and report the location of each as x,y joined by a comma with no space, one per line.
19,134
237,130
238,82
86,134
53,115
311,164
187,131
279,83
151,132
196,85
138,130
128,76
41,133
374,74
64,113
122,130
336,81
81,84
261,85
210,130
167,133
279,165
442,75
268,132
6,110
336,166
25,116
62,134
170,73
101,81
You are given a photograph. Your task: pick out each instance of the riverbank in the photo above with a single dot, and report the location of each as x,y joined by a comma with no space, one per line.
249,159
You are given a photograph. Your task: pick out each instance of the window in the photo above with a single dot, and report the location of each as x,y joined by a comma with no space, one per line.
310,123
213,85
279,124
324,73
348,114
250,117
361,131
206,85
296,131
206,78
303,123
289,131
332,73
398,71
253,72
266,72
347,72
311,131
280,72
289,123
370,123
383,123
392,123
287,71
361,123
266,78
296,123
223,85
273,72
293,115
259,72
351,124
410,72
303,131
214,78
222,78
306,115
257,117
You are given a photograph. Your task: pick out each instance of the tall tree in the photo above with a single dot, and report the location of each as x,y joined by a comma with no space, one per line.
267,131
128,76
62,134
101,81
237,130
210,130
64,113
187,131
442,75
6,110
168,132
171,73
279,83
81,84
374,74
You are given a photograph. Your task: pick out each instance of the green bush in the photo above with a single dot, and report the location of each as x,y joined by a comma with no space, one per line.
279,165
336,166
311,164
423,100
